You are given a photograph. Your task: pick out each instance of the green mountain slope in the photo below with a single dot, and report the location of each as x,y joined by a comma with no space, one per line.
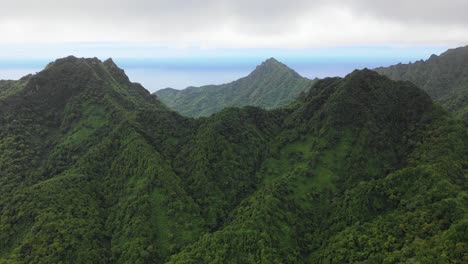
94,169
8,87
271,85
444,77
356,175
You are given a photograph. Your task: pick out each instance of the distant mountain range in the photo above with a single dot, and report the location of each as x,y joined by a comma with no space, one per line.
444,78
361,169
271,85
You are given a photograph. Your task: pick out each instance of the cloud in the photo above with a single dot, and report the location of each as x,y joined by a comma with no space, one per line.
237,23
431,12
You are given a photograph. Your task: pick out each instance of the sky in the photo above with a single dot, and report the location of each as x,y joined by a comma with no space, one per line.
225,39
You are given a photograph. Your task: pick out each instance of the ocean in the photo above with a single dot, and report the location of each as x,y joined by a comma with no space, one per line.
156,74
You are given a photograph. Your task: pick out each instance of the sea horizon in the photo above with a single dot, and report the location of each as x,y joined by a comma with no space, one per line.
202,68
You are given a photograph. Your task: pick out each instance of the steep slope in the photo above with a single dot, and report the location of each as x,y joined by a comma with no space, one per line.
8,87
444,77
78,177
356,175
94,169
87,170
271,85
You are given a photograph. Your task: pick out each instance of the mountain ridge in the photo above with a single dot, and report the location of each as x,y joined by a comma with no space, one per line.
444,77
271,84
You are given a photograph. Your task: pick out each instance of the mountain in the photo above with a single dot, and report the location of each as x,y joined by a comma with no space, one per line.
8,87
444,77
271,85
94,169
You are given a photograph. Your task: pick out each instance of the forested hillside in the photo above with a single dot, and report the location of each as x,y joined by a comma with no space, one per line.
444,77
271,85
94,169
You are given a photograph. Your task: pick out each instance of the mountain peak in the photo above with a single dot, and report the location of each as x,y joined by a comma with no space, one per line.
115,71
364,95
72,62
271,60
272,84
72,59
110,63
270,67
364,73
85,78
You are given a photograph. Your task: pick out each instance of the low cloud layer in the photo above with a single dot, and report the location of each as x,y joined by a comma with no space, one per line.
238,23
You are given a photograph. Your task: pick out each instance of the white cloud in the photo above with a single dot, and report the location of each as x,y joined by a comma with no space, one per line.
237,23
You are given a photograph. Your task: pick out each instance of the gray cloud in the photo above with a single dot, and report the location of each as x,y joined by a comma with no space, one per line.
408,11
237,22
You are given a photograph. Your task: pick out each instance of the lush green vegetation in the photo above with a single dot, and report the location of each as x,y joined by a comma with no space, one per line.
8,87
444,77
94,169
271,85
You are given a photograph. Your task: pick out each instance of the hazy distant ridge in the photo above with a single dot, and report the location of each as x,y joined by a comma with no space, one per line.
271,85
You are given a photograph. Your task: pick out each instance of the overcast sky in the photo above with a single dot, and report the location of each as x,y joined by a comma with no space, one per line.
238,23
